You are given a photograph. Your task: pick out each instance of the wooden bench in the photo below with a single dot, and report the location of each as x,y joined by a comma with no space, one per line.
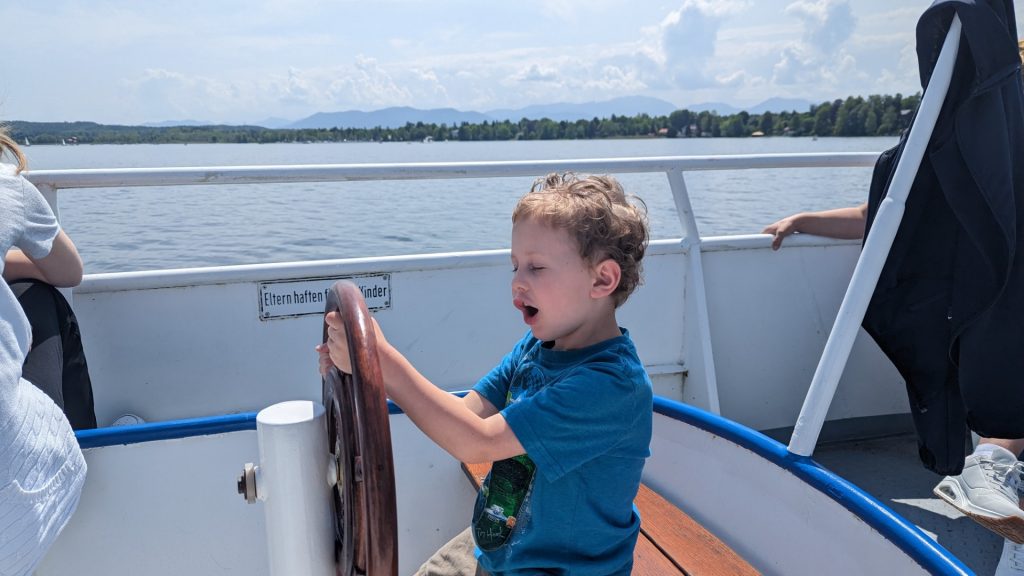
670,542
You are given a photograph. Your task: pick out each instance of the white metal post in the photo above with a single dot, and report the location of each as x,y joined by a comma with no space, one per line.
872,258
293,482
695,290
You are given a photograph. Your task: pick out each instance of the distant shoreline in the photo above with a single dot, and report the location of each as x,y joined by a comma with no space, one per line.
854,116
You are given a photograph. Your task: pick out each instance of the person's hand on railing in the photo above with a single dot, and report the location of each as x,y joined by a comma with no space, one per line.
845,223
785,227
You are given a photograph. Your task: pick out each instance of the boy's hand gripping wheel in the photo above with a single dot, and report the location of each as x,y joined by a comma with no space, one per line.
359,440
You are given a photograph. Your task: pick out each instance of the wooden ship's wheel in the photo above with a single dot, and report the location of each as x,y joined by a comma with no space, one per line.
359,438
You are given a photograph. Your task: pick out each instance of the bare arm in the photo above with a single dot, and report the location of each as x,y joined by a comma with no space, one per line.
847,223
469,428
62,267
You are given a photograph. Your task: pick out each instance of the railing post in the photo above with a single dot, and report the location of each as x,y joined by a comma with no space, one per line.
873,256
701,362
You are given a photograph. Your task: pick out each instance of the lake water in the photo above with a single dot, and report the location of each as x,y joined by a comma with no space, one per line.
163,227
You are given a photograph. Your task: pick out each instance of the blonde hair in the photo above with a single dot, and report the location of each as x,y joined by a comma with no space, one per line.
9,146
596,212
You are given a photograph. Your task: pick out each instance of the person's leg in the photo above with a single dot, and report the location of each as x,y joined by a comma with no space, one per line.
1015,445
56,363
456,558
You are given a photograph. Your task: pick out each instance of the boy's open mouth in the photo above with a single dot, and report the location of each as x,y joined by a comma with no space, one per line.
529,312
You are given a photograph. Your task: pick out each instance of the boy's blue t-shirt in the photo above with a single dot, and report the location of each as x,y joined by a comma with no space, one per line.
584,418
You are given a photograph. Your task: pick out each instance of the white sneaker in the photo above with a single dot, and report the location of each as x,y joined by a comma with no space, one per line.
986,491
1011,563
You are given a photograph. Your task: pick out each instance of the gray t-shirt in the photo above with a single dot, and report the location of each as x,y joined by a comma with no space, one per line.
41,467
26,223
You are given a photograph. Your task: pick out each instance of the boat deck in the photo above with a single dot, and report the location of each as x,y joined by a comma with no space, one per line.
889,469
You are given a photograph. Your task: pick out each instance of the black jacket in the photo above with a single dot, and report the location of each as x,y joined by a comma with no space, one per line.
948,309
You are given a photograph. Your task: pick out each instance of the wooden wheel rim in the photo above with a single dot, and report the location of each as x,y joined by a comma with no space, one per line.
359,437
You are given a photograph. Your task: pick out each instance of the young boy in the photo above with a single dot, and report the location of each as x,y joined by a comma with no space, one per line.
566,416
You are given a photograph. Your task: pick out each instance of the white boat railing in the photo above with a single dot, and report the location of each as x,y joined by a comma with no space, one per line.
203,175
55,182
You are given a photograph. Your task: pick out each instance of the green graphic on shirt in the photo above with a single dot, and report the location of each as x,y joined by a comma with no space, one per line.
503,495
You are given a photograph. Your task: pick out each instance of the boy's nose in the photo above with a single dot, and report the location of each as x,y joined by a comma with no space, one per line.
518,286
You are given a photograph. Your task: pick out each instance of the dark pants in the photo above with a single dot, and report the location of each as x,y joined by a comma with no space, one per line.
56,363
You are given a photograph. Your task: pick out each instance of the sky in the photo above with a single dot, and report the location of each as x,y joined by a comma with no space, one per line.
244,61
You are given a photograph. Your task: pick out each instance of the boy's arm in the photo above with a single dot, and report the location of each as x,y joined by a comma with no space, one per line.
465,427
847,223
470,428
479,405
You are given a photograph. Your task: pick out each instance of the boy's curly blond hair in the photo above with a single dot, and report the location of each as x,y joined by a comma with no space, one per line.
597,214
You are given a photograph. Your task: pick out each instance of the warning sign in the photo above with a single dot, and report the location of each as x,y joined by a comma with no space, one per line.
290,298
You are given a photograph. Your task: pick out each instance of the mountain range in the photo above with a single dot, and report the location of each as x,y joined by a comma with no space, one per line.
569,111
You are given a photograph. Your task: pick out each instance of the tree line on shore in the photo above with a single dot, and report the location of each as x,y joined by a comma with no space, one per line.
855,116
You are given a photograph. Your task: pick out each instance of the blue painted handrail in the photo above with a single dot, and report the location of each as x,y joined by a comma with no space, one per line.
167,430
907,537
915,543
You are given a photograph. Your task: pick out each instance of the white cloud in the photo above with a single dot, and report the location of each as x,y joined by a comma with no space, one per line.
173,95
564,10
429,83
614,80
736,78
688,38
686,52
366,82
828,24
820,56
363,84
297,89
537,73
792,66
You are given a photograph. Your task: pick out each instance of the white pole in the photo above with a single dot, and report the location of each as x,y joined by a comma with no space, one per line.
293,483
872,258
704,360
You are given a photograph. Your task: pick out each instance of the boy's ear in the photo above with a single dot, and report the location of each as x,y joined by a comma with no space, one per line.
606,274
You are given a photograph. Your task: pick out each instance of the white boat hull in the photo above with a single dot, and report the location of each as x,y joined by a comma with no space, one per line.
168,507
